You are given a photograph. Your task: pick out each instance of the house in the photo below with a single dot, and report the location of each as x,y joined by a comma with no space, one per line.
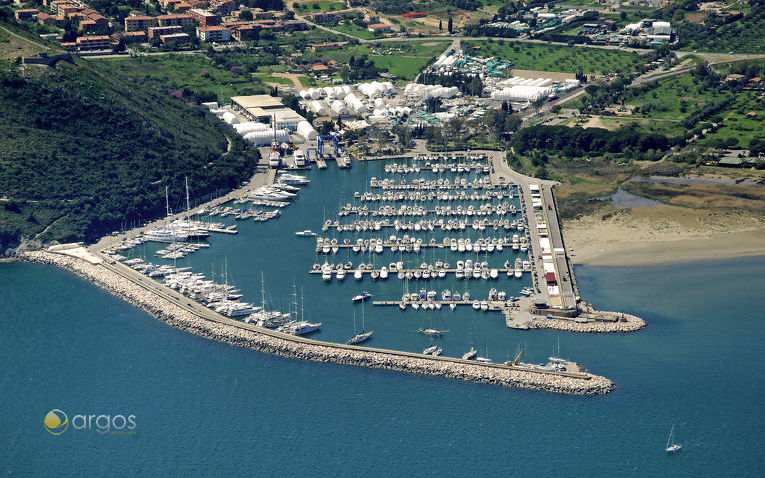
377,28
371,18
214,33
26,14
50,20
140,23
330,45
248,31
203,18
319,68
735,78
324,17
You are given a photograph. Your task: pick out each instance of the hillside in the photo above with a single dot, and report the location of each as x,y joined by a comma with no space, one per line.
83,152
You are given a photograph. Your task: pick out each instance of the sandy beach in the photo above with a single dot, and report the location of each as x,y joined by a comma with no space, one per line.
650,235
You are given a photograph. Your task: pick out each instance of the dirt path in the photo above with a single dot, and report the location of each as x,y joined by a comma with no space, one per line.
293,77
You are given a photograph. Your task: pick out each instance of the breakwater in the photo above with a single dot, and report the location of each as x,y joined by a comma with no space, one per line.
162,306
624,323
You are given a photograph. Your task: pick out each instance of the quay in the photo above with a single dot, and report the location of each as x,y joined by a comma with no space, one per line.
501,270
179,311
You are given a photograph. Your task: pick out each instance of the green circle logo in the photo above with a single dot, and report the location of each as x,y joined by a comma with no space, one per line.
56,422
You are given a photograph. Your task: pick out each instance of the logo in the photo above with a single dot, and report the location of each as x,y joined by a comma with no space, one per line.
56,422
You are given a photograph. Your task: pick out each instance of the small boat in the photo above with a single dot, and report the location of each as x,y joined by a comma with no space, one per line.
306,233
433,332
671,446
361,297
470,354
362,336
433,350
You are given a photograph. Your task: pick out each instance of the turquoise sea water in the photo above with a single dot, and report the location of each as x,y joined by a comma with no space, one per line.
205,408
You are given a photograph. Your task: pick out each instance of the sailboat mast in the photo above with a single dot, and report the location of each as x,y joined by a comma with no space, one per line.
262,291
167,202
188,203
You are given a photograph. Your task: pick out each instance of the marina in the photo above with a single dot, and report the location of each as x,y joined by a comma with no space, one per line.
455,241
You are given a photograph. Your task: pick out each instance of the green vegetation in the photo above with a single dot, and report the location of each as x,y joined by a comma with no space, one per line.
355,30
528,56
732,30
325,6
266,78
87,152
193,75
402,59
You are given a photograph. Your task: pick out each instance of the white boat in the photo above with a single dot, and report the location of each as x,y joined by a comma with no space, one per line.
274,159
306,233
671,446
362,336
470,354
433,332
299,327
299,156
361,297
433,350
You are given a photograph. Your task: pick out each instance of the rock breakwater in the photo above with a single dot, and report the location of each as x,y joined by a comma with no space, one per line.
236,333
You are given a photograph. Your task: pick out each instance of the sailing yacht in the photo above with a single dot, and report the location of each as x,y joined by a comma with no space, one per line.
362,336
671,446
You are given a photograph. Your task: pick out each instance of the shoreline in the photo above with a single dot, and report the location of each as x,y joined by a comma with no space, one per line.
650,235
264,340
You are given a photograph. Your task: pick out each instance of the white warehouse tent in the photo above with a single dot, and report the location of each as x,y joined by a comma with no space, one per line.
307,131
260,138
249,127
229,117
522,93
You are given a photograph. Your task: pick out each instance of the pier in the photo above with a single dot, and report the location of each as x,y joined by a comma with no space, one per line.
179,311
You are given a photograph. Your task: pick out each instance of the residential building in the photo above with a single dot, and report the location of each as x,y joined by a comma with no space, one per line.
50,20
129,37
174,38
176,19
140,23
26,14
158,31
378,28
222,7
203,18
330,45
324,17
215,33
245,32
98,42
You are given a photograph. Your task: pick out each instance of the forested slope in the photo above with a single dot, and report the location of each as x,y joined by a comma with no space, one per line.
83,151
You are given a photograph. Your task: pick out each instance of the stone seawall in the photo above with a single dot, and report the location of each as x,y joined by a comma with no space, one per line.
626,323
268,341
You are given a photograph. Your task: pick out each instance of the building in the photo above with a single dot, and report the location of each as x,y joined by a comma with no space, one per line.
222,7
203,18
174,38
50,20
378,28
158,31
26,14
326,46
176,19
324,17
90,43
140,23
215,33
371,18
91,20
257,107
129,37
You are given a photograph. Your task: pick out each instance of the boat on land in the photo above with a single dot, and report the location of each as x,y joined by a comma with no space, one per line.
299,157
306,233
274,159
672,447
361,297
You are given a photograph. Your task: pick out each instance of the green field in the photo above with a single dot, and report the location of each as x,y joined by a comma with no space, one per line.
266,78
355,30
402,59
737,125
176,72
529,56
326,6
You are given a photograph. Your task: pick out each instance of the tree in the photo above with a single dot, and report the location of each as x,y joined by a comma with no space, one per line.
450,24
245,15
120,46
440,25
